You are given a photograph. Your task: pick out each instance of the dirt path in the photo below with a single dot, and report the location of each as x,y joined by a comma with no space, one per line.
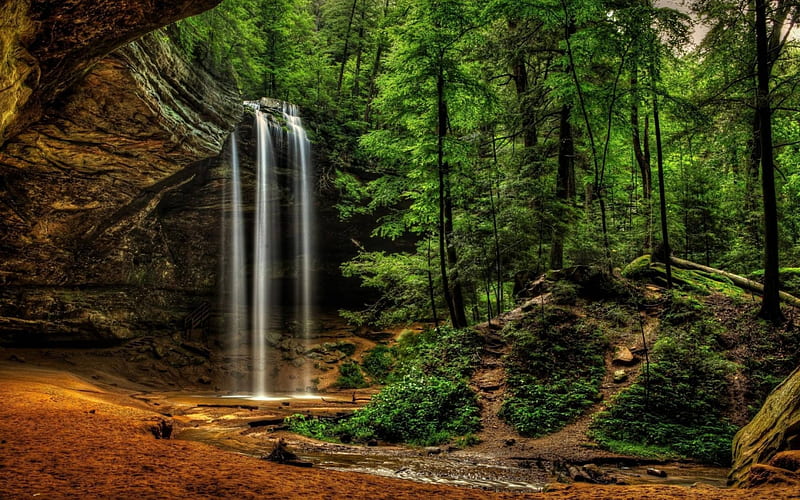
572,443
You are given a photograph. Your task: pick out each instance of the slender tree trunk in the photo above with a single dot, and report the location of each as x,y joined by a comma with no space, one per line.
642,155
345,52
519,71
359,51
431,290
569,30
565,182
447,253
376,68
661,190
770,306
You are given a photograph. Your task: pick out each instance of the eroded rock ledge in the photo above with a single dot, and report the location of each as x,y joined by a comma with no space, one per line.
48,45
109,205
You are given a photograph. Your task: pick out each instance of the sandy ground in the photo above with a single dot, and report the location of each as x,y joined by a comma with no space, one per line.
63,437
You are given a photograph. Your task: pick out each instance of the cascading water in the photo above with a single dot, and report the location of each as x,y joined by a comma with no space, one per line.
236,318
299,151
264,254
267,319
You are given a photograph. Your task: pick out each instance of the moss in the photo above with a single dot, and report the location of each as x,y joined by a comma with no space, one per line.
639,269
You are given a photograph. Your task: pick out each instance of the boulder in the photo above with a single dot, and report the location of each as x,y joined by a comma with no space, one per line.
623,356
775,428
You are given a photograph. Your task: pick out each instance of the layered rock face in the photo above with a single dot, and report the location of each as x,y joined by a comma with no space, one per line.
776,428
110,204
48,45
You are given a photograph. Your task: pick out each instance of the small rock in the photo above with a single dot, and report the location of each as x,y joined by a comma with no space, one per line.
656,472
432,450
577,474
285,403
511,442
372,442
620,376
623,356
203,379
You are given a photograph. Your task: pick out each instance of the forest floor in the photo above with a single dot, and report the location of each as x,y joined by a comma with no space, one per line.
73,424
570,444
64,437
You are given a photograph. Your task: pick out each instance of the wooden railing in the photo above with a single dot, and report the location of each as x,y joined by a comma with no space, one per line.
197,319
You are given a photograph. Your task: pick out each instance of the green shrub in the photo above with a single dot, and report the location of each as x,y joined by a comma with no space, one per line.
346,348
378,363
447,353
537,409
427,400
417,409
681,408
554,371
350,376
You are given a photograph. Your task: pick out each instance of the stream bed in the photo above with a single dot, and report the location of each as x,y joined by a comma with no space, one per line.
253,428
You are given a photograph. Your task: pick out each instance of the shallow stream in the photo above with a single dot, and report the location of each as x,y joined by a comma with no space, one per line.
253,427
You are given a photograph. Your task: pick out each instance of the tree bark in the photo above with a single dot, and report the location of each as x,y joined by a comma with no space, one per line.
740,281
661,190
346,46
642,155
770,306
447,252
565,182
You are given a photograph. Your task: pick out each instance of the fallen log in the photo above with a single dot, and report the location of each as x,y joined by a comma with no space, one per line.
740,281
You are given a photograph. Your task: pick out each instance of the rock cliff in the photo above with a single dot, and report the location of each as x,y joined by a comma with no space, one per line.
776,428
104,195
46,46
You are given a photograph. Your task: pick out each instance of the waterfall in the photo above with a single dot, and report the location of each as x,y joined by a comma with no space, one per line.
299,157
264,253
274,136
236,321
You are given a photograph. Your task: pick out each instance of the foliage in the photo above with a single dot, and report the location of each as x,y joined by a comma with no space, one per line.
378,363
427,400
350,376
554,371
678,406
447,353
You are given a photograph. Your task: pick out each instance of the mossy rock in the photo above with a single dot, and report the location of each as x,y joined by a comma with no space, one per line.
775,428
640,269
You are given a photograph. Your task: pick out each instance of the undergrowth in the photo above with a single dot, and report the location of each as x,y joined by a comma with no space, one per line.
678,407
554,370
426,400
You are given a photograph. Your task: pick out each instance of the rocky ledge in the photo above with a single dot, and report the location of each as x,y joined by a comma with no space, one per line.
103,196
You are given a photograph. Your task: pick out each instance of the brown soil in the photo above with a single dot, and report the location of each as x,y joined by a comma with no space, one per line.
63,437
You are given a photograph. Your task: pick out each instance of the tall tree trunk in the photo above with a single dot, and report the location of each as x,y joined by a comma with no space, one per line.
431,290
661,191
376,67
565,182
770,306
447,253
345,52
642,155
519,71
359,51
